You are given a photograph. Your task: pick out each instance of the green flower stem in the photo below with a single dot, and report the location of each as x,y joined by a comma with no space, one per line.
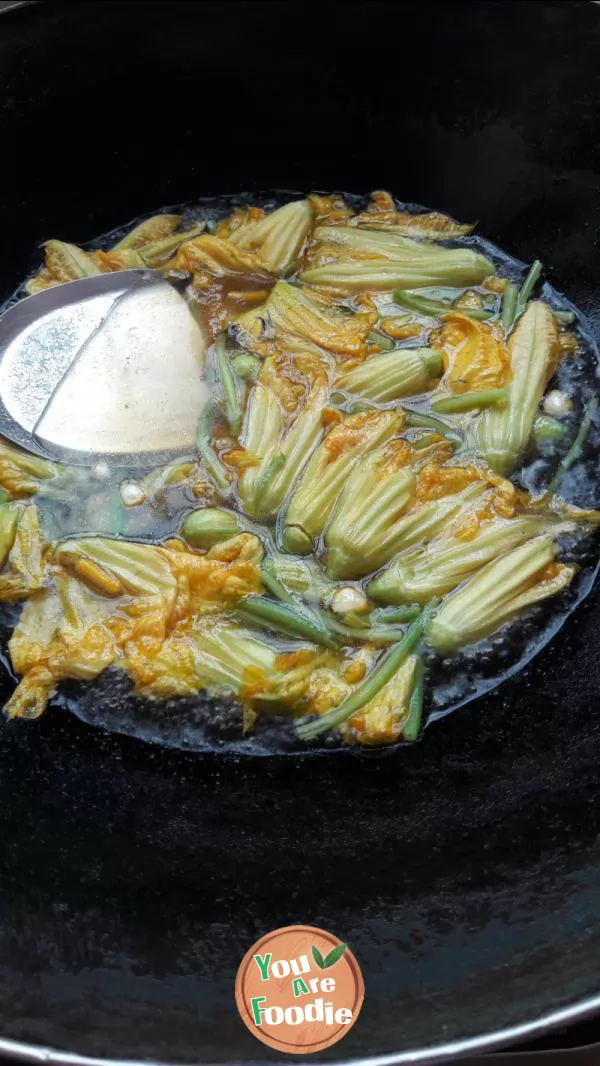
272,468
509,306
415,711
470,401
233,409
515,299
383,672
423,305
286,619
399,615
425,441
529,284
417,420
275,587
381,340
374,634
575,449
211,459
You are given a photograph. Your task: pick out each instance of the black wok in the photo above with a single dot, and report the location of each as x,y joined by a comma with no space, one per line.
465,872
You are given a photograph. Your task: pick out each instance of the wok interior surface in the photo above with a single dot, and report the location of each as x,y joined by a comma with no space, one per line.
464,873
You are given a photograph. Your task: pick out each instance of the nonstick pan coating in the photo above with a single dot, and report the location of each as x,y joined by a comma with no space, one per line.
465,873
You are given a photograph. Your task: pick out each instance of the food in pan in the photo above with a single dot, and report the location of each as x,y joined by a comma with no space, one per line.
377,485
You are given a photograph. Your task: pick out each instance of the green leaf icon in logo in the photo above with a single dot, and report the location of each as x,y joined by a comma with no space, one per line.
332,958
316,954
329,960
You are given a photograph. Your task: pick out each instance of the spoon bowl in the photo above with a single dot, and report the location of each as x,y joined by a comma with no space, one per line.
108,367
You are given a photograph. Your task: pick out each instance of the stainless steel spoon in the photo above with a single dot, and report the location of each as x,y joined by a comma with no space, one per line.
105,367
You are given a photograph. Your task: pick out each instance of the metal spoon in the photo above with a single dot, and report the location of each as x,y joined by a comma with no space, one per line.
104,367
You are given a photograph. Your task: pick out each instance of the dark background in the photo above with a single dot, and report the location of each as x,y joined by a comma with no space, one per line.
465,872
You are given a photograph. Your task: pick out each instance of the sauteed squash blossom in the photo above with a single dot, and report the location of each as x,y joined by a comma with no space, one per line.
354,506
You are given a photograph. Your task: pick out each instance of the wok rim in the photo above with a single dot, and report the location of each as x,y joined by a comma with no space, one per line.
21,1051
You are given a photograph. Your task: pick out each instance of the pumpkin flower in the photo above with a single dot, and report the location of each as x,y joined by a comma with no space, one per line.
391,375
473,354
282,450
503,433
314,499
414,268
502,590
362,535
292,311
21,551
220,258
278,238
427,226
382,719
436,568
108,602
